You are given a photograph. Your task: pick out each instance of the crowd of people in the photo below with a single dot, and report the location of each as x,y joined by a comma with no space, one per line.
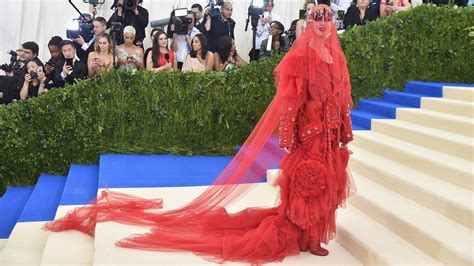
200,42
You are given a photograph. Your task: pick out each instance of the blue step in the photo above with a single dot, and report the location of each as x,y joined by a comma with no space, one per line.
432,89
11,206
128,171
81,185
380,107
44,200
403,98
363,120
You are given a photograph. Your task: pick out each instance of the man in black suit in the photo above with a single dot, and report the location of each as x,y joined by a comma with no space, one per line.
69,68
83,48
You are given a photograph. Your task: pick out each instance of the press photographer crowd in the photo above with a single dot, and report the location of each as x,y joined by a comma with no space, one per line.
197,39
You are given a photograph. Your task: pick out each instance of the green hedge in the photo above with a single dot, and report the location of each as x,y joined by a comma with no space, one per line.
210,114
132,113
427,43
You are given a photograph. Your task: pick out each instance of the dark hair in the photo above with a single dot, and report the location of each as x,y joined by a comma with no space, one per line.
204,46
282,28
324,2
198,6
101,20
55,41
67,42
31,46
224,47
155,50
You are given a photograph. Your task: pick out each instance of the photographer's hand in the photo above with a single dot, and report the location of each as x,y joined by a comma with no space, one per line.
66,69
48,69
80,40
27,78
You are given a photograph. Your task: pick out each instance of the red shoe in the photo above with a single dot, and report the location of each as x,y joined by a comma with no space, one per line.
319,251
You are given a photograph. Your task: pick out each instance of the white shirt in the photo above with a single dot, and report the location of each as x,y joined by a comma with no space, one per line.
264,30
86,45
183,46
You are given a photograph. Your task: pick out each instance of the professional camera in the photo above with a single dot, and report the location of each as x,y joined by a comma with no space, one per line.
181,21
215,11
14,65
80,26
126,4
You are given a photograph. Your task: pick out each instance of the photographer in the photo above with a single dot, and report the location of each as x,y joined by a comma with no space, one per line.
138,18
183,31
33,82
14,78
220,26
84,48
201,18
70,68
263,28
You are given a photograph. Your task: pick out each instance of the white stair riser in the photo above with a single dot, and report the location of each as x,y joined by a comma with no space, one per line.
431,200
419,162
458,93
465,128
449,146
423,241
462,108
25,245
358,248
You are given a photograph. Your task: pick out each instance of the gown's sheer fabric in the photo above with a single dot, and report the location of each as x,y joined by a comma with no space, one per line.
312,89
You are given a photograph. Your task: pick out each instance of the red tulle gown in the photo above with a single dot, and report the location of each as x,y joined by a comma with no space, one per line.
310,115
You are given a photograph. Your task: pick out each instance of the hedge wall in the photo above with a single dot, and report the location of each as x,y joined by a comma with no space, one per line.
427,43
210,114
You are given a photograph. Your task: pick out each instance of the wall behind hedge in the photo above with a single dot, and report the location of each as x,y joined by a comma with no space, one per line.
210,114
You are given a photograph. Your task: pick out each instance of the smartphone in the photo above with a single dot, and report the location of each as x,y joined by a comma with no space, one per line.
69,61
266,14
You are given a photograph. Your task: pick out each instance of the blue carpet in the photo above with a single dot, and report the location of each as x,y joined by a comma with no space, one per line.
44,200
81,185
11,206
363,120
128,171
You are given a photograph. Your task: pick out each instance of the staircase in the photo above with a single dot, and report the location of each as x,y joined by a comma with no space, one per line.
412,163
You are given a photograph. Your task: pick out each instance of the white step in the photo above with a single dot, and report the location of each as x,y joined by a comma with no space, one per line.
459,93
445,198
449,106
436,235
76,248
374,244
25,244
106,253
447,122
446,167
446,142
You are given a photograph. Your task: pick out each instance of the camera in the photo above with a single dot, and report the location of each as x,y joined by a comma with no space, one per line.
33,74
126,4
181,21
14,65
215,11
80,27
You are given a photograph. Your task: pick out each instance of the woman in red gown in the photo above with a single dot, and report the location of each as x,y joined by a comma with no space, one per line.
310,115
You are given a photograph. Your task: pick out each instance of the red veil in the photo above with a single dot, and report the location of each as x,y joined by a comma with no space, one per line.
255,235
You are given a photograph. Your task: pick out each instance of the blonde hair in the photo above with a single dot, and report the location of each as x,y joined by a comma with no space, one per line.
96,42
129,30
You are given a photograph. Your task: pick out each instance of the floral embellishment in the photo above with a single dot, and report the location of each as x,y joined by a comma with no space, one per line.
310,179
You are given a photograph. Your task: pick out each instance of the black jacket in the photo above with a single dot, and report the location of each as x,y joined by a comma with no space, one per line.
139,22
79,71
352,16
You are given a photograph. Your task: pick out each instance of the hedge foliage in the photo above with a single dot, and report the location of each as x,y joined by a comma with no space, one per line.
209,114
427,43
